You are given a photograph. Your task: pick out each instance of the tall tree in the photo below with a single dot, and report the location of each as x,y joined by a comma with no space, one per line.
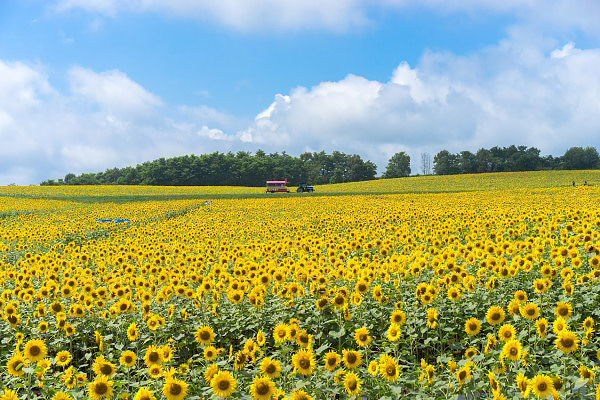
398,165
445,163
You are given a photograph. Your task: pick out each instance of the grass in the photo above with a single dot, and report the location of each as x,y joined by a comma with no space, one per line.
409,185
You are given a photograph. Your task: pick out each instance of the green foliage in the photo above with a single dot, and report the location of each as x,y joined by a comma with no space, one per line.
398,166
511,159
229,169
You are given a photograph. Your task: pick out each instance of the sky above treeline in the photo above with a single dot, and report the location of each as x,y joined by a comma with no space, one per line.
86,85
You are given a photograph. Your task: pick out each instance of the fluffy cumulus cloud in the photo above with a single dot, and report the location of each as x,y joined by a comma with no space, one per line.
341,15
104,120
521,91
512,93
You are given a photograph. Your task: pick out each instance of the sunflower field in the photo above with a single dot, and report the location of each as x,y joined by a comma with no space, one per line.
469,294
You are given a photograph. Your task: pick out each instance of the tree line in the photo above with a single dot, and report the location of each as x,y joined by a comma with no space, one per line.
513,158
245,169
229,169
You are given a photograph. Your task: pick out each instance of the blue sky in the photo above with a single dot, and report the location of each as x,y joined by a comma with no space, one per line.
87,85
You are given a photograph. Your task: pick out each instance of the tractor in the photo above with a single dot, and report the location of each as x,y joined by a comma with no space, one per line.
303,187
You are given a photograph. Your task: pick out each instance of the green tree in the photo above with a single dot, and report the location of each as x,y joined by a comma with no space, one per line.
398,165
580,158
445,163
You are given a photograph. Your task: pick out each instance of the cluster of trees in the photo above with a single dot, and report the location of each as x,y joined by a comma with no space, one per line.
229,169
513,158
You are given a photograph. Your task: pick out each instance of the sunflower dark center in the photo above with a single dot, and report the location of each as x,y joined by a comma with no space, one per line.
304,363
101,388
106,369
223,385
175,389
204,335
567,342
542,386
262,388
35,350
153,357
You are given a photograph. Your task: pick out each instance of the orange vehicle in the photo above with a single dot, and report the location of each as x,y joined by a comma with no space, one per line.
277,186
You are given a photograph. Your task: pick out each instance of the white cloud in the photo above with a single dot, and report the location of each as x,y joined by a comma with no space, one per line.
112,91
512,93
341,15
240,14
213,134
524,90
105,120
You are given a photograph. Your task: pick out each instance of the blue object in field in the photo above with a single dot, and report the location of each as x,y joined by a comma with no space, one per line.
116,221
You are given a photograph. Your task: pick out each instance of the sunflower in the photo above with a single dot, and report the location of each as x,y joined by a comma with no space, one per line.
100,388
240,359
205,335
512,350
472,326
494,384
495,315
299,394
514,307
155,371
174,389
303,338
352,358
432,315
470,352
304,362
588,323
16,364
9,394
262,388
541,325
132,332
530,311
167,353
280,333
153,355
260,338
144,394
43,327
35,350
520,296
210,353
559,325
352,383
362,337
542,386
566,341
587,375
389,370
62,396
270,367
394,332
331,359
128,358
563,309
523,384
210,371
223,384
62,358
506,332
103,367
398,317
373,368
463,374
